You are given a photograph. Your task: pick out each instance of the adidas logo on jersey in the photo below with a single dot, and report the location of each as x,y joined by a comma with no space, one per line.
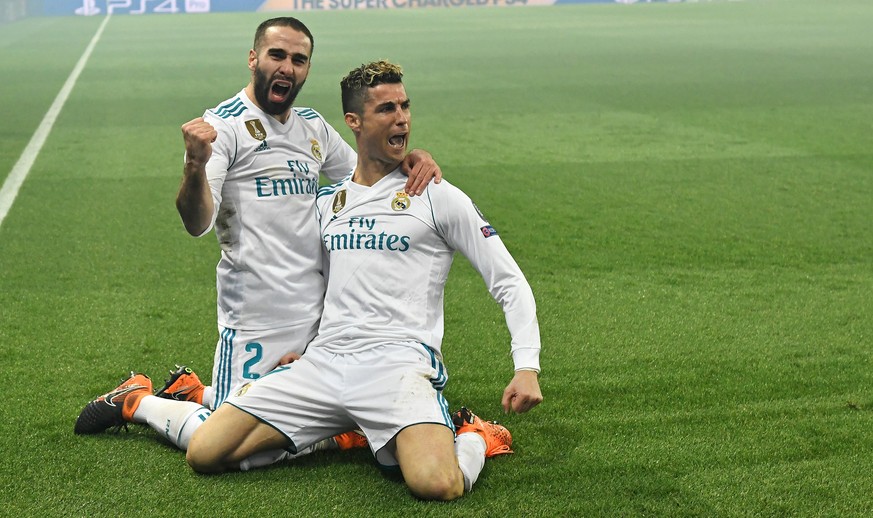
263,147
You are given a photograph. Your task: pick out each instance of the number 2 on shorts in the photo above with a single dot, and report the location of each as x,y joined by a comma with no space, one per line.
253,347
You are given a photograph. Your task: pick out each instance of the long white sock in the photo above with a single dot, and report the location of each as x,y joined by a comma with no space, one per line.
209,397
265,458
174,420
470,449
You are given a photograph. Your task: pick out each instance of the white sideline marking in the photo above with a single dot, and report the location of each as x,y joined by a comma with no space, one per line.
21,168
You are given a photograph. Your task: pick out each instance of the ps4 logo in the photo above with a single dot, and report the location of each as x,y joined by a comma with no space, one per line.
91,8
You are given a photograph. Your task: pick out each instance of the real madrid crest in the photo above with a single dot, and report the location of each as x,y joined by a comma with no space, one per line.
401,201
256,129
245,388
316,150
339,201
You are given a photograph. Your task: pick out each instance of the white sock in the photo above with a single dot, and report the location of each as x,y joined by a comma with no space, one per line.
470,449
265,458
209,397
174,420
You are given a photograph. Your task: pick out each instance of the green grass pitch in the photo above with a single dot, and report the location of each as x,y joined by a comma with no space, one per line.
688,188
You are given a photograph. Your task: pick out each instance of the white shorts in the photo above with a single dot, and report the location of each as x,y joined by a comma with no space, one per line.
244,356
381,391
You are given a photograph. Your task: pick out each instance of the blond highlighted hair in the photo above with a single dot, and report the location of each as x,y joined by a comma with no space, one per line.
354,86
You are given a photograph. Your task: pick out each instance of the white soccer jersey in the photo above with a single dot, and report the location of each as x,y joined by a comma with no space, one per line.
389,255
264,179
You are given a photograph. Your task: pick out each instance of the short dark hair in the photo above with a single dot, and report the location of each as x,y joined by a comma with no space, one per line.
282,21
354,86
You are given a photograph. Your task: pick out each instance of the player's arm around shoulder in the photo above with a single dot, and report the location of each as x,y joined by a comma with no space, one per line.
420,168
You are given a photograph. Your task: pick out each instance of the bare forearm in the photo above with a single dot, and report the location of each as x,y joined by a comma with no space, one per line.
194,200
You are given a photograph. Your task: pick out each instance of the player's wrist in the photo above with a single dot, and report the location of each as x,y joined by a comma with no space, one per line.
528,369
194,166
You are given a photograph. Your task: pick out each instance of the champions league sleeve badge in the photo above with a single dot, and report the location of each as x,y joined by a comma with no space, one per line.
401,201
487,230
316,150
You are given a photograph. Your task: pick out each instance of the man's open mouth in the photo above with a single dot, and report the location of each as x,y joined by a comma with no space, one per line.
398,140
279,90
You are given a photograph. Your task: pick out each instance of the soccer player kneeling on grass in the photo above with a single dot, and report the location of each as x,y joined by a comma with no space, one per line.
376,364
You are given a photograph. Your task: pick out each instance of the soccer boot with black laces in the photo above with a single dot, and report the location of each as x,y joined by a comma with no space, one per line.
183,385
498,440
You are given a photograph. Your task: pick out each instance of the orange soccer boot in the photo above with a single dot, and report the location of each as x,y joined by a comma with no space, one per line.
183,385
498,440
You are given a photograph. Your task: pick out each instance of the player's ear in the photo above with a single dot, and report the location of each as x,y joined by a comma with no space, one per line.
353,121
253,59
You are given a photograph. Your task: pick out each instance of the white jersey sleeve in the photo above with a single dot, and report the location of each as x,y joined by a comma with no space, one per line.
465,229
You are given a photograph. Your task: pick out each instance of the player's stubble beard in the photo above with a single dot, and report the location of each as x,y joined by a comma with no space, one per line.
262,93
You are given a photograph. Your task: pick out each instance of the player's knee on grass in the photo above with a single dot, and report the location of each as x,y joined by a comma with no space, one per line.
228,436
201,464
201,457
445,483
426,454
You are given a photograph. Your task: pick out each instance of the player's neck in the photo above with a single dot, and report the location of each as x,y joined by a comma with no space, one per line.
368,172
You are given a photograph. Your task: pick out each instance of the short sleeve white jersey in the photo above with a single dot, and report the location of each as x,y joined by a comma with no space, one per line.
264,177
389,255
